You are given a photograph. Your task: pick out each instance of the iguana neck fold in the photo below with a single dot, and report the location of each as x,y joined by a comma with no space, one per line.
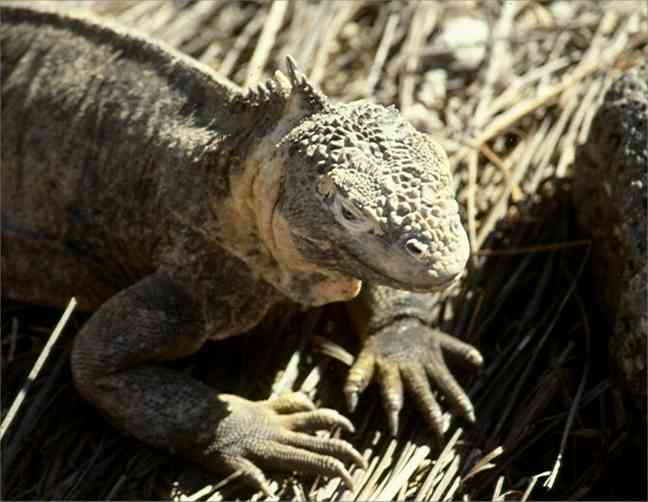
261,236
299,279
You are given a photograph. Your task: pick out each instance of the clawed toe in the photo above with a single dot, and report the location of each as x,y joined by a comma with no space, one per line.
327,446
287,457
291,402
249,472
317,420
458,399
270,434
459,348
409,354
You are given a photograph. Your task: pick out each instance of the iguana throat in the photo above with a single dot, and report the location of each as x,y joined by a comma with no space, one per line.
261,236
300,280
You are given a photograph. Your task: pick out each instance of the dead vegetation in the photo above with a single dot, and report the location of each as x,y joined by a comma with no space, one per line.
509,88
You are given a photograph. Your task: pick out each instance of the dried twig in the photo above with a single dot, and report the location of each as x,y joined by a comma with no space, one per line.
381,53
266,41
33,375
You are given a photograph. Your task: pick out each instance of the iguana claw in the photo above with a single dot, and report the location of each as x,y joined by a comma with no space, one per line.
270,433
407,354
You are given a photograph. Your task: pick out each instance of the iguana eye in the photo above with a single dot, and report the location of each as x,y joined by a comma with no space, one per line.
347,214
350,217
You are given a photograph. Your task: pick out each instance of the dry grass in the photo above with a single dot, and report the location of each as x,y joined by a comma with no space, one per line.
550,423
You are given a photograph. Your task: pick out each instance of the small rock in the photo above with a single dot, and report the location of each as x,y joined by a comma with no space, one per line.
434,88
467,38
563,11
423,119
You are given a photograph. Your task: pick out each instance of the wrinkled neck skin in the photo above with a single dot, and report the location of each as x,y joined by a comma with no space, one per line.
300,280
261,236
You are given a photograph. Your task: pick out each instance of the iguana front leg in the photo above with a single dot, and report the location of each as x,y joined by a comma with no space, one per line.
405,351
114,366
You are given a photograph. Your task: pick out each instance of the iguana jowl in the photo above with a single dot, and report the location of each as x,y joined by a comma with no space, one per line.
182,209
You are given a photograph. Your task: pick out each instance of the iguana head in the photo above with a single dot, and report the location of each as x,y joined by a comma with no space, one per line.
364,194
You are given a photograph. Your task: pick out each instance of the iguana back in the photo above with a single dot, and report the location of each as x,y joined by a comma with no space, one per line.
95,129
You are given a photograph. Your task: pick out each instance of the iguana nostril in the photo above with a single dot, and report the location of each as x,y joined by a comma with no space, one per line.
416,248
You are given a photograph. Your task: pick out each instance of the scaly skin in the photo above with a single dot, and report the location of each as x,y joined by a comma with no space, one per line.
181,209
404,348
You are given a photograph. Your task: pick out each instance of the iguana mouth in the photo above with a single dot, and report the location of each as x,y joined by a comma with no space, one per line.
392,281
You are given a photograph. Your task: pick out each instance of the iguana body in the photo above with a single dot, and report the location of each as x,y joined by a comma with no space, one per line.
183,209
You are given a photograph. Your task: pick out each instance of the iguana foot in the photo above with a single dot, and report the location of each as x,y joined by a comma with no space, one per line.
271,434
410,352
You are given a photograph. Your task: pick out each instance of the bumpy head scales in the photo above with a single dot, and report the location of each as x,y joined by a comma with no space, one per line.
388,189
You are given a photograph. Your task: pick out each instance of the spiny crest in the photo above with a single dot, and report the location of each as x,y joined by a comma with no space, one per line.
302,89
299,93
266,90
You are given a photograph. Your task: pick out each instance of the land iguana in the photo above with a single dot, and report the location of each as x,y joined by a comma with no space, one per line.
180,208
